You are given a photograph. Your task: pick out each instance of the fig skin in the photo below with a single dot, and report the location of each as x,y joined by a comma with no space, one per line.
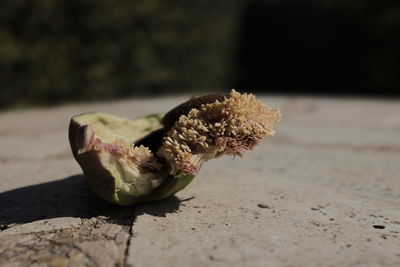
101,180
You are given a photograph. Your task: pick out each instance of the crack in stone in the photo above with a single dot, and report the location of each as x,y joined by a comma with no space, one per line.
129,240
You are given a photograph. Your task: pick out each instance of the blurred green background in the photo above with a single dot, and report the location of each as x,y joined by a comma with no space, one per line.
68,50
56,51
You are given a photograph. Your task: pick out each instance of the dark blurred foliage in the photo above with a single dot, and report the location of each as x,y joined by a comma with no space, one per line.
53,51
321,46
67,50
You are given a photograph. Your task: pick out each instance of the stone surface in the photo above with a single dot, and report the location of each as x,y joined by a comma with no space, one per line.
103,253
42,226
324,191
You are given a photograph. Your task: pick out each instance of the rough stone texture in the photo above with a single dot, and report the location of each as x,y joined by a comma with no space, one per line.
47,214
42,226
324,191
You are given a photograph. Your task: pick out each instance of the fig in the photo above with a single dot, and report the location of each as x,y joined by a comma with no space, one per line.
150,158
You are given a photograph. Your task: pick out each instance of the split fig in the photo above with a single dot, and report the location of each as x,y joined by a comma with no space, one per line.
150,158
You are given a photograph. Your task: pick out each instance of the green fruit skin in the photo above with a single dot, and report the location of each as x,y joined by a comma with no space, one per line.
104,184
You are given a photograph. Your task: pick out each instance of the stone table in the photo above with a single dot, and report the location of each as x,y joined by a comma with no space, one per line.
324,191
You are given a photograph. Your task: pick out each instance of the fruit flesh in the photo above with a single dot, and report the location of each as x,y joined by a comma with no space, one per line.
117,171
107,127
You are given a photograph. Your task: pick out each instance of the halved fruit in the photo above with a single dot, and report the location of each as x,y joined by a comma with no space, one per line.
117,170
151,158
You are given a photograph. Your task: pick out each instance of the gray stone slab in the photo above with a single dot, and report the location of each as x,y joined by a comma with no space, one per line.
324,191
